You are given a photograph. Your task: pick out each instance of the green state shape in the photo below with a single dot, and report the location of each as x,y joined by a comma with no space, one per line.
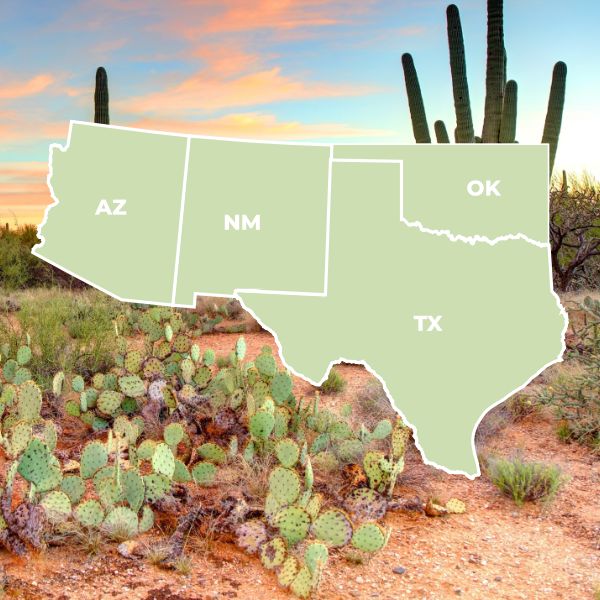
132,257
501,322
435,186
286,185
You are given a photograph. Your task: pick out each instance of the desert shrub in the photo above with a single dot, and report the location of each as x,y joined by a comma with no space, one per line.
334,384
524,481
576,398
69,331
20,269
372,402
576,402
521,406
222,361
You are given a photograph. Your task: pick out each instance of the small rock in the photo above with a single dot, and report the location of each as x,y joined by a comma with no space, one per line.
399,570
129,549
458,592
359,579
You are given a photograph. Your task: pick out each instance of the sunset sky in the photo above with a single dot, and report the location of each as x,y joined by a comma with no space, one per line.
318,70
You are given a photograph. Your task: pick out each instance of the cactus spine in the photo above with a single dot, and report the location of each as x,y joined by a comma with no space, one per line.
101,97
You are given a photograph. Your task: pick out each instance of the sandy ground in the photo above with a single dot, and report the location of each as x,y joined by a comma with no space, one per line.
494,551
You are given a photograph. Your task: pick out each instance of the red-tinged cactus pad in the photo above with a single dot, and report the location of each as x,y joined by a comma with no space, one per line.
272,553
365,504
251,535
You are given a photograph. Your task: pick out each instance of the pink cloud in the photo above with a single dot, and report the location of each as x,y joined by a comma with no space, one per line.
254,125
231,78
19,89
23,188
19,129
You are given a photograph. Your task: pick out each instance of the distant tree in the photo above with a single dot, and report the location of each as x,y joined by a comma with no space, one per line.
575,231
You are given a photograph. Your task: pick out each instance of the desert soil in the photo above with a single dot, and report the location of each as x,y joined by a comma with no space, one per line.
494,551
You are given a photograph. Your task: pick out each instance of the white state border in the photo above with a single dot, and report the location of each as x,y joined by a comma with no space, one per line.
415,224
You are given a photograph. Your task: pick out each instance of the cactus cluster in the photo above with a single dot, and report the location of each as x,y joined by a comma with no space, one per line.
500,115
211,419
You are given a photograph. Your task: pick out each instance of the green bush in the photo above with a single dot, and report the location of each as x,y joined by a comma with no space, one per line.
524,481
69,331
334,384
19,269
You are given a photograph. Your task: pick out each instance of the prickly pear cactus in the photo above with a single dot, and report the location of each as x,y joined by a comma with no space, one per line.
132,386
212,453
90,513
93,458
303,583
35,463
288,571
121,523
261,424
369,537
333,527
365,504
74,487
163,461
29,400
204,473
251,535
316,556
284,485
288,452
293,523
173,434
456,506
57,506
109,402
281,387
273,552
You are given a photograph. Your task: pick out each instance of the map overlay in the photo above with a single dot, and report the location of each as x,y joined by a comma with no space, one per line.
428,264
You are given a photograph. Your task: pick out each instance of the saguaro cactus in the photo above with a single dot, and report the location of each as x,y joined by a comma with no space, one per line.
508,124
101,97
500,118
494,75
458,69
415,101
556,103
441,134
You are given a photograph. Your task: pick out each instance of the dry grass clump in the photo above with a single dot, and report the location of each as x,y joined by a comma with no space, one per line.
525,481
334,384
